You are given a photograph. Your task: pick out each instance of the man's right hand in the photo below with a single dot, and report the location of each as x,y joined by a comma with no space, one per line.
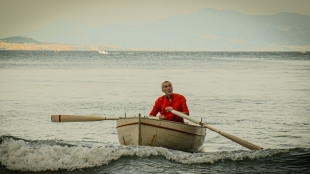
161,117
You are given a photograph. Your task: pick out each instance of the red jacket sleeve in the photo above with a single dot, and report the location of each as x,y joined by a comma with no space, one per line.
156,107
184,105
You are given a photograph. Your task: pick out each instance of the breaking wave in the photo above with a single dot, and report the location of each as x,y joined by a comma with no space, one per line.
28,155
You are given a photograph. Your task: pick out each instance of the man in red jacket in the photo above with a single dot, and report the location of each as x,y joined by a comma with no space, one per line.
171,101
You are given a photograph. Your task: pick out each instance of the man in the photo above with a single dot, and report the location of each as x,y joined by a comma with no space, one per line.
168,102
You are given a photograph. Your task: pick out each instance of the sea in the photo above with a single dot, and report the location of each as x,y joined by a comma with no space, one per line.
261,97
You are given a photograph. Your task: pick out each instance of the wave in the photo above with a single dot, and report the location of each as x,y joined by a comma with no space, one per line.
35,156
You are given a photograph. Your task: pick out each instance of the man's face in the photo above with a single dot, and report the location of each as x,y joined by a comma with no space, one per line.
167,88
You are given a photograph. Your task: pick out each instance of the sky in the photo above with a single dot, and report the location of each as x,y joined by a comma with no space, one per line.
20,16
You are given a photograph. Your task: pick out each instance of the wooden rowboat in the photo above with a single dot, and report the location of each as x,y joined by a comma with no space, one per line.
150,131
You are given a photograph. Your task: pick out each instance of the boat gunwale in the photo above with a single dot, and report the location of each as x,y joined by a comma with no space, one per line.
157,119
163,127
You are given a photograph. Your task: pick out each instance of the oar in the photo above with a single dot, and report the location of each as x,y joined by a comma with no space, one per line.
79,118
231,137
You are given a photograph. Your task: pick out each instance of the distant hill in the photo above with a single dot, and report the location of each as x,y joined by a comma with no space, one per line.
20,40
207,29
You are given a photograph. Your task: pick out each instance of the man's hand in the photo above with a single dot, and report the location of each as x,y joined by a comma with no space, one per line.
161,117
169,109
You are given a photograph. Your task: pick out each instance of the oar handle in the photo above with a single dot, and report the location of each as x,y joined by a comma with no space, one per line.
79,118
231,137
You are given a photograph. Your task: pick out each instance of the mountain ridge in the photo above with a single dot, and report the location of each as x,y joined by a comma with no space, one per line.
20,40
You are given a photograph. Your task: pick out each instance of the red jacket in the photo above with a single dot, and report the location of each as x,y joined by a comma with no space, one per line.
178,103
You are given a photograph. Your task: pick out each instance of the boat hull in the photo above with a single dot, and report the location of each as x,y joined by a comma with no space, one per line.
160,133
103,52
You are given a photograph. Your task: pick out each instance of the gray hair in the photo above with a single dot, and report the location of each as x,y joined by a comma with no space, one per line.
165,82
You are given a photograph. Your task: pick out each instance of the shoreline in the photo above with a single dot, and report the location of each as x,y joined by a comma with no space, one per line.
72,47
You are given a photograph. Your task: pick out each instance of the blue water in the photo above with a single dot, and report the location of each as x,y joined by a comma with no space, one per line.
262,97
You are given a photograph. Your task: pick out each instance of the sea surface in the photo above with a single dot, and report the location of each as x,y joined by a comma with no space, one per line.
262,97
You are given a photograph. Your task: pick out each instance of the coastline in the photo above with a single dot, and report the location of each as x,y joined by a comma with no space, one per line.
72,47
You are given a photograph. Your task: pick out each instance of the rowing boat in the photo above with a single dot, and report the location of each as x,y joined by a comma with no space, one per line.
150,131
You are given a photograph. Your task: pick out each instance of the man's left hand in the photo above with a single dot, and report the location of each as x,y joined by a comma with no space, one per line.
169,109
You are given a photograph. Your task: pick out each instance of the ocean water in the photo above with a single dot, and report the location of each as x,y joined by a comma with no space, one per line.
262,97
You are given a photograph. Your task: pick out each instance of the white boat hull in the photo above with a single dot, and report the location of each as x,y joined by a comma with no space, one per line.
103,52
160,133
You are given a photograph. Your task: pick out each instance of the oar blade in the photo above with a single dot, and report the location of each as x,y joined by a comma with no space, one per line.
241,141
227,135
79,118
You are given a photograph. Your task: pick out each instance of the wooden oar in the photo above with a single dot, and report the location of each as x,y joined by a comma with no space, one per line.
231,137
79,118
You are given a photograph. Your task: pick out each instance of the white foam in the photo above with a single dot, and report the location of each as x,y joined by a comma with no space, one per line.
33,156
21,155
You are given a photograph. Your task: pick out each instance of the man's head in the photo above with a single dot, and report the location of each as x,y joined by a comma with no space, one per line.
167,88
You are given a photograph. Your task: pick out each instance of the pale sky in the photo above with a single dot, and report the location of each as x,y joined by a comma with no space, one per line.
20,16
